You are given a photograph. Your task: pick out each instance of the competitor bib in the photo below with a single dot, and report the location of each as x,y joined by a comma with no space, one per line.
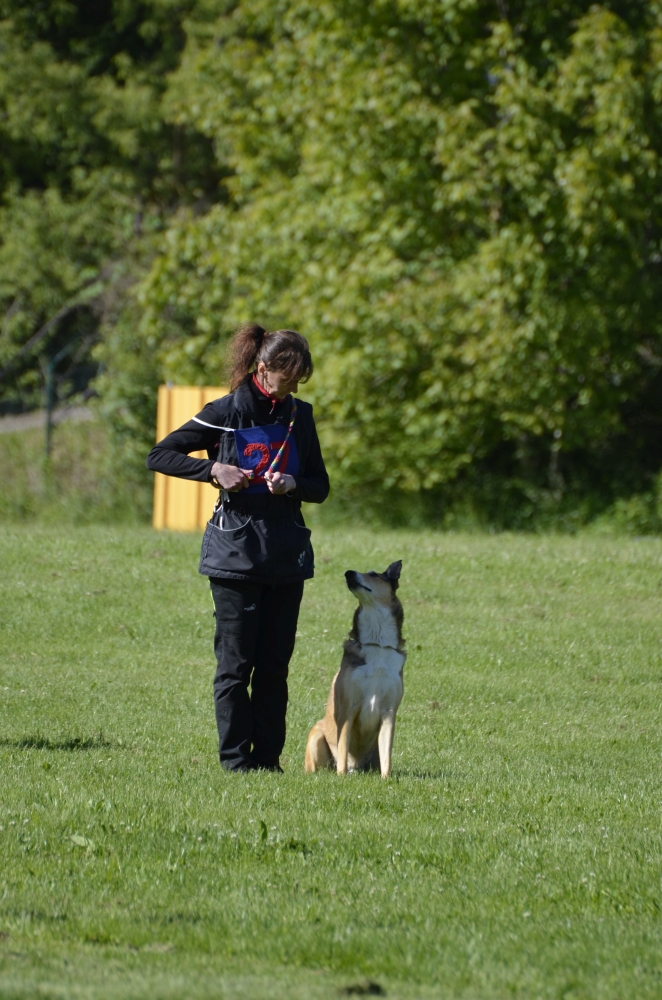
256,449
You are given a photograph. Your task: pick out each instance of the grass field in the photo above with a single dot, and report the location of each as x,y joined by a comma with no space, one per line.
515,852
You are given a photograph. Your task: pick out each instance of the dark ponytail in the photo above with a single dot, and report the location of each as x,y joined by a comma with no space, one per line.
244,349
284,351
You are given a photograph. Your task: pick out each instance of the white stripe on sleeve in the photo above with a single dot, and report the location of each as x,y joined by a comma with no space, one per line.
213,426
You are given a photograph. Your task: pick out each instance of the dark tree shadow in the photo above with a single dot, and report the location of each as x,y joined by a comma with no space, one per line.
74,743
421,775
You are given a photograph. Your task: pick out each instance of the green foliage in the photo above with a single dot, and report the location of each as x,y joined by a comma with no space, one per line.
89,168
461,211
640,514
458,203
513,853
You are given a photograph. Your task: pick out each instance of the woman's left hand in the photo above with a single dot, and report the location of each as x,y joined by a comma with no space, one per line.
279,482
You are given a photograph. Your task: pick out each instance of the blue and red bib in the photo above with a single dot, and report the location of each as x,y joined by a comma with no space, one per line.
256,449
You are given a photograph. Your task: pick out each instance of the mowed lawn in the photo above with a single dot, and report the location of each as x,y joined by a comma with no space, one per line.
515,852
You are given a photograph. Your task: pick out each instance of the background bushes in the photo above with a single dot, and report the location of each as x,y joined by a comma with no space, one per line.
458,203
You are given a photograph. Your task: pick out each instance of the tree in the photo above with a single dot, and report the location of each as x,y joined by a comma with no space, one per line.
459,204
89,170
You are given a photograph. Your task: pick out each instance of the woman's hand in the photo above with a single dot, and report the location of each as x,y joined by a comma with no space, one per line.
229,477
279,482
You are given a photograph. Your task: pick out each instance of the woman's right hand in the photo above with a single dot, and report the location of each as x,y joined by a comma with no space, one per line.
229,477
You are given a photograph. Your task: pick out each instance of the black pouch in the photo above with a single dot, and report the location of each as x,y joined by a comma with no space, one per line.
295,553
231,545
268,549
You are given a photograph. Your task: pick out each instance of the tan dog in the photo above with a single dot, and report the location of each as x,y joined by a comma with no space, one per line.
357,729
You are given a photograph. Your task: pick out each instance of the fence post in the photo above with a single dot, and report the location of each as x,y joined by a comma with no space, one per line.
50,402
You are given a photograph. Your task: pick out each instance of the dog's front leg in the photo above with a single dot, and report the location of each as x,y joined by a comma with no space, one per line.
385,742
344,734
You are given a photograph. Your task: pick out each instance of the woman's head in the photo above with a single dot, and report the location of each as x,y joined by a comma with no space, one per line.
280,359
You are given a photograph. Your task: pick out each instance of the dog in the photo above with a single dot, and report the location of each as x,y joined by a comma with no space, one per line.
357,730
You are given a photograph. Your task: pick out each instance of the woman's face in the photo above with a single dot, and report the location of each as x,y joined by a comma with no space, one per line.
275,382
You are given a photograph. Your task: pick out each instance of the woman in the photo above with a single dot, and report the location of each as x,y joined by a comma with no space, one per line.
265,458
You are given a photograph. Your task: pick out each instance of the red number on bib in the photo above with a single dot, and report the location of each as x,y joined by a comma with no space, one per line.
264,452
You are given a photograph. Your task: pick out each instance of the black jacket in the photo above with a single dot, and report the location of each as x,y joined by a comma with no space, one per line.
257,537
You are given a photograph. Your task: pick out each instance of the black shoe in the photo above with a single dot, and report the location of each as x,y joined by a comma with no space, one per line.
239,768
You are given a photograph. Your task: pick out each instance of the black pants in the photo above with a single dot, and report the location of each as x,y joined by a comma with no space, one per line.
255,629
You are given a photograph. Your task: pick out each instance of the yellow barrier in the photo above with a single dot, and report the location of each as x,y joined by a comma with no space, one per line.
179,504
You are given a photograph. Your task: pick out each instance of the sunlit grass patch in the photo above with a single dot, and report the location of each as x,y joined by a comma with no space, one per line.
515,851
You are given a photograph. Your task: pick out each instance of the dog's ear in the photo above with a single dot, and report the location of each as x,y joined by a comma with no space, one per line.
393,573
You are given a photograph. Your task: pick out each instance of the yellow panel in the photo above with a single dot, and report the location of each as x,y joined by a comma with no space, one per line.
179,504
160,492
161,482
163,423
182,494
184,404
181,514
212,392
206,501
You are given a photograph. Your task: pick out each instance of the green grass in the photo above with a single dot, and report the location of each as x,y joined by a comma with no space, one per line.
515,852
